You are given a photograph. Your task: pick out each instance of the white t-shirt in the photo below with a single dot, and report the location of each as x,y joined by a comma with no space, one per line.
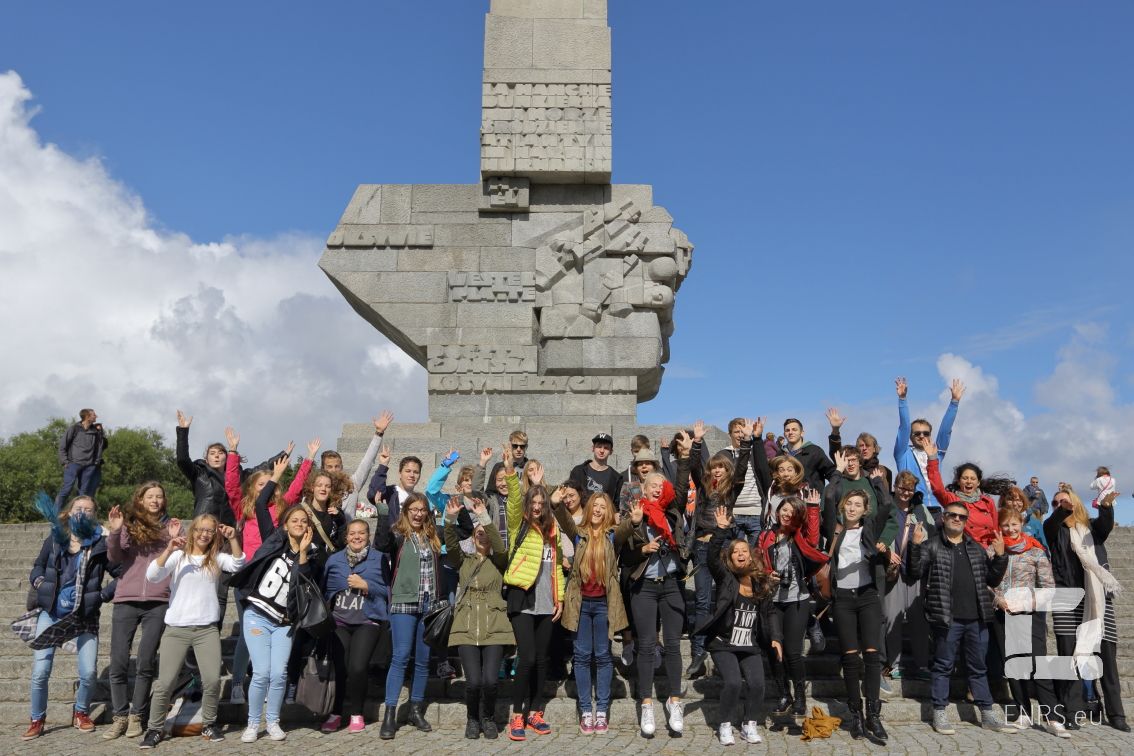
854,571
192,591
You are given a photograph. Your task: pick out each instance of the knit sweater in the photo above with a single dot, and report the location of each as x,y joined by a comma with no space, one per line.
192,590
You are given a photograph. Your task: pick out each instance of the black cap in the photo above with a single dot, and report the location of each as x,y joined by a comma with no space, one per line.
603,438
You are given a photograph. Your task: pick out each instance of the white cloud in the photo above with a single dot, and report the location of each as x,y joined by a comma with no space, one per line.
101,308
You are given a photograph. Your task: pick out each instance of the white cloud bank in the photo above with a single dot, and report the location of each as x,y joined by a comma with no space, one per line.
100,308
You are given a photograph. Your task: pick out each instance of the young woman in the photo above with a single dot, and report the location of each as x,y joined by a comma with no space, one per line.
858,564
788,479
192,567
1028,569
497,491
981,525
136,537
791,549
1079,560
743,622
655,565
355,587
534,593
903,613
480,621
414,550
268,605
718,485
67,579
592,605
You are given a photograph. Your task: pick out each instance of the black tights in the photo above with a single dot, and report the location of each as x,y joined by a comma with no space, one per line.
858,617
533,636
481,665
732,665
351,649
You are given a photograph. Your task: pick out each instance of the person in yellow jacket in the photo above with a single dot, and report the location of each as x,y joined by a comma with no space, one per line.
534,593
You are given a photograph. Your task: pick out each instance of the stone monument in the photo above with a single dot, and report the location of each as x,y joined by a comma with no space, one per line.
541,297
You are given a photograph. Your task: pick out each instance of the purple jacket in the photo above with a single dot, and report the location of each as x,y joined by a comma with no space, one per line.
134,559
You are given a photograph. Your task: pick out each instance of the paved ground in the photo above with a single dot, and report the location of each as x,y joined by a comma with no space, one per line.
904,739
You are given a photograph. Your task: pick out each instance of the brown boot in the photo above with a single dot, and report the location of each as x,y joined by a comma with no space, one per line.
117,728
82,722
35,729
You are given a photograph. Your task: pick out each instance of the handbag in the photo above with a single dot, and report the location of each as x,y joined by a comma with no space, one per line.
316,689
313,616
439,620
822,578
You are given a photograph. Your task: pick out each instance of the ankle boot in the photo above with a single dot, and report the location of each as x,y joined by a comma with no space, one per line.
799,706
874,720
488,714
417,716
389,723
854,724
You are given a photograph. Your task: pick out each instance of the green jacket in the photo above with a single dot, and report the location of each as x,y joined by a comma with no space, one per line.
573,597
481,616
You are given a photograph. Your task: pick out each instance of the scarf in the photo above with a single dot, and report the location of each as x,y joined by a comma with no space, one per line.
1021,544
353,558
1097,582
972,498
654,511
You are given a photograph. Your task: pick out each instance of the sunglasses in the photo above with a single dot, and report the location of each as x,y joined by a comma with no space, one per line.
957,516
519,446
921,434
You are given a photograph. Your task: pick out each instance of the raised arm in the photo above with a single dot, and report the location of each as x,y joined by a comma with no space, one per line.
904,428
232,487
945,432
453,554
436,482
562,516
263,515
295,490
184,461
381,423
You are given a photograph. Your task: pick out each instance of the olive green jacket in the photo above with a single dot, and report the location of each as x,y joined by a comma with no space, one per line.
481,616
573,595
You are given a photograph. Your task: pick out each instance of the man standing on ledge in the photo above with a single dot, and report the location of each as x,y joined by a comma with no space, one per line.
596,476
80,453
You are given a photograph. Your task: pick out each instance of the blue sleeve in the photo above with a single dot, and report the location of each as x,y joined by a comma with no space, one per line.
903,430
333,578
434,486
945,432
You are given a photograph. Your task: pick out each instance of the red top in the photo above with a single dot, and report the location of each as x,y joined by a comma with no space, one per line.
806,540
983,523
593,589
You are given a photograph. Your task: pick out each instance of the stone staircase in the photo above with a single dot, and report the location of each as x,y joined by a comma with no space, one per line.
21,543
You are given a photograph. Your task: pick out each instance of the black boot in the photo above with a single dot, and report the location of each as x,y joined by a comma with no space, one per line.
854,724
697,667
784,705
874,720
1118,723
488,714
472,712
472,729
417,716
799,707
389,723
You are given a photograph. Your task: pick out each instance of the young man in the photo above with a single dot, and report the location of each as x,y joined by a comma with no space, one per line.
957,574
908,454
332,462
848,463
518,443
748,510
80,453
817,468
596,476
387,497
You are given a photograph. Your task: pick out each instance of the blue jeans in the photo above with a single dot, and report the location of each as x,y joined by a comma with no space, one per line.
746,527
592,644
946,640
703,593
87,476
406,631
41,670
269,647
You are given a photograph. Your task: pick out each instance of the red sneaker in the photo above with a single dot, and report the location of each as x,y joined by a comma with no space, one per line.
536,722
35,729
516,729
81,722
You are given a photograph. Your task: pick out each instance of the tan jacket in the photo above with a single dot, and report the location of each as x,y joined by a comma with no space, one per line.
573,596
481,616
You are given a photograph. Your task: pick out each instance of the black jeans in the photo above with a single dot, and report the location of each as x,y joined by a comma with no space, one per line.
732,665
858,618
351,649
533,636
1024,690
795,616
128,616
481,665
1070,692
651,599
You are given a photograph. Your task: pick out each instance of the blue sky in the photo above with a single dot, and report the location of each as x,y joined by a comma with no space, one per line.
874,189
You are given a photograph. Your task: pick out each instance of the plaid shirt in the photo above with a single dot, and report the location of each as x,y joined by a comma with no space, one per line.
427,590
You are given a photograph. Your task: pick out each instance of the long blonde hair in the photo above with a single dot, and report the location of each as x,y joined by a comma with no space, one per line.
210,553
404,527
248,506
1078,514
593,569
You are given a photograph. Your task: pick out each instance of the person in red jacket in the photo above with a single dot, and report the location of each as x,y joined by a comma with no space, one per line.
982,525
790,548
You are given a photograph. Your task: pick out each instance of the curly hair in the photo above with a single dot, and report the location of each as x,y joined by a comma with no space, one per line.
341,485
144,528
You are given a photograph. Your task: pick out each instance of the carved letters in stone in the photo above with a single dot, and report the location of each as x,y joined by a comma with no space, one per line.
492,287
529,384
458,358
505,194
381,235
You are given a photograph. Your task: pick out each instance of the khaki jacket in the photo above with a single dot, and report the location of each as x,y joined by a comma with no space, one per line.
573,595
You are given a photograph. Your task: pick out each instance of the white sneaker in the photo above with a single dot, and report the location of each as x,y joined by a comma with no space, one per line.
750,731
1055,728
236,696
275,732
676,711
628,653
725,734
647,721
1024,722
251,732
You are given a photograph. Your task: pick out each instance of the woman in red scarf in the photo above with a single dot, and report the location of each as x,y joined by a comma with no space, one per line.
1028,569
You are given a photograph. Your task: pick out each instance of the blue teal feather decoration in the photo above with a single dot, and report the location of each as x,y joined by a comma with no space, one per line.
45,505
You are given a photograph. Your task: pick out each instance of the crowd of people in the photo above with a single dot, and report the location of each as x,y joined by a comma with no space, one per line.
777,540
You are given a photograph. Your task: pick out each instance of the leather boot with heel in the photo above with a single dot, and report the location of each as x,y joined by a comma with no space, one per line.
389,723
417,716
